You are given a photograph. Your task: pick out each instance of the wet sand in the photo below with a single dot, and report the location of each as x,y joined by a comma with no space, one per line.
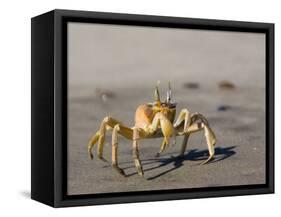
240,129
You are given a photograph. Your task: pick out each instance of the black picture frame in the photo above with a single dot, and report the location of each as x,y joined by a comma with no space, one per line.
49,107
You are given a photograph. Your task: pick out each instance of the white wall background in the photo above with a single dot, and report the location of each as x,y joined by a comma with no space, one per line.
15,106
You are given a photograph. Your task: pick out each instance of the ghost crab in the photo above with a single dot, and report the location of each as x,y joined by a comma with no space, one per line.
153,120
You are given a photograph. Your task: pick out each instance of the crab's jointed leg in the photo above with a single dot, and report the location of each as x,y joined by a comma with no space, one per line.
183,118
184,144
118,128
115,130
166,128
209,134
99,136
163,146
137,161
108,121
92,142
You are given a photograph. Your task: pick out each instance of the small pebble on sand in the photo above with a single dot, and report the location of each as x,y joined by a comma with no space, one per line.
226,85
191,85
223,108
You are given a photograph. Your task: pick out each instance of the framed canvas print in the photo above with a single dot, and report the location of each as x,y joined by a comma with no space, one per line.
134,108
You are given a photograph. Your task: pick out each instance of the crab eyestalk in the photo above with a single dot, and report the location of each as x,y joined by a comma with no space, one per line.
169,94
157,96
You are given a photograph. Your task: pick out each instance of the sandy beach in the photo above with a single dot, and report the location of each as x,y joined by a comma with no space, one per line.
113,70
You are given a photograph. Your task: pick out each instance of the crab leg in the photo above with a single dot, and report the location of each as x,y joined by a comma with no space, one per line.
163,146
209,134
99,136
184,117
92,142
184,144
101,139
166,128
115,150
108,121
211,140
136,151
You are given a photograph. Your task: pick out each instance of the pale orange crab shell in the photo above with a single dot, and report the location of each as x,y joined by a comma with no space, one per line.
145,113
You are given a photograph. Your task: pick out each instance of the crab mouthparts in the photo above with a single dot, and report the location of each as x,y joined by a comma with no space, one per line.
170,105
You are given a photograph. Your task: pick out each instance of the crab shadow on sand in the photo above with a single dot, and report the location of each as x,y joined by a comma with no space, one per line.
222,153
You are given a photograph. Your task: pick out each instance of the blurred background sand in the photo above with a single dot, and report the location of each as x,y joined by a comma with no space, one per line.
112,69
